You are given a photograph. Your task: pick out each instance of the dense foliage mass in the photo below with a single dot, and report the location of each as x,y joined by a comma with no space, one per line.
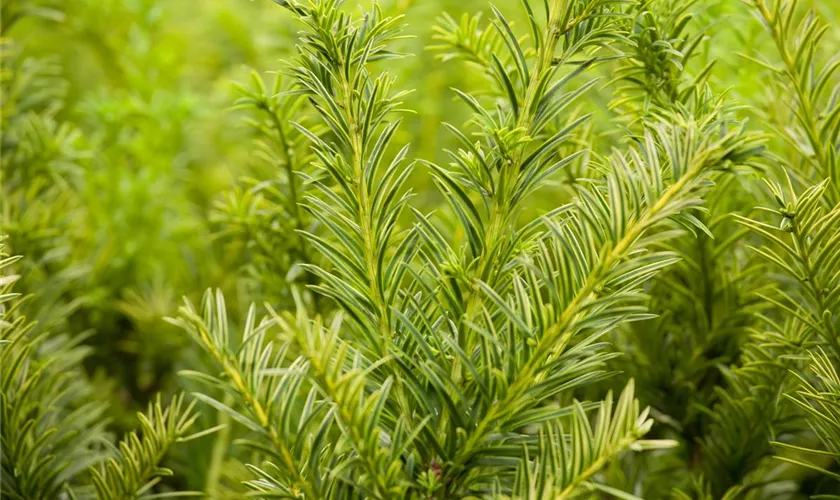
538,250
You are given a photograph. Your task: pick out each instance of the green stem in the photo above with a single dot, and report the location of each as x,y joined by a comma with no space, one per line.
359,182
220,447
501,212
595,466
288,165
809,120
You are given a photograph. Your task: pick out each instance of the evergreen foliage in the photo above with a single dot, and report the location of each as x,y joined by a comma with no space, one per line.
607,266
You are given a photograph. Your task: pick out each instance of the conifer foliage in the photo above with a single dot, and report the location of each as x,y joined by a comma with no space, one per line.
626,285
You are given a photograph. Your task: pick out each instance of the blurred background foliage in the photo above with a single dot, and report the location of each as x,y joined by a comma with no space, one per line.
135,172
